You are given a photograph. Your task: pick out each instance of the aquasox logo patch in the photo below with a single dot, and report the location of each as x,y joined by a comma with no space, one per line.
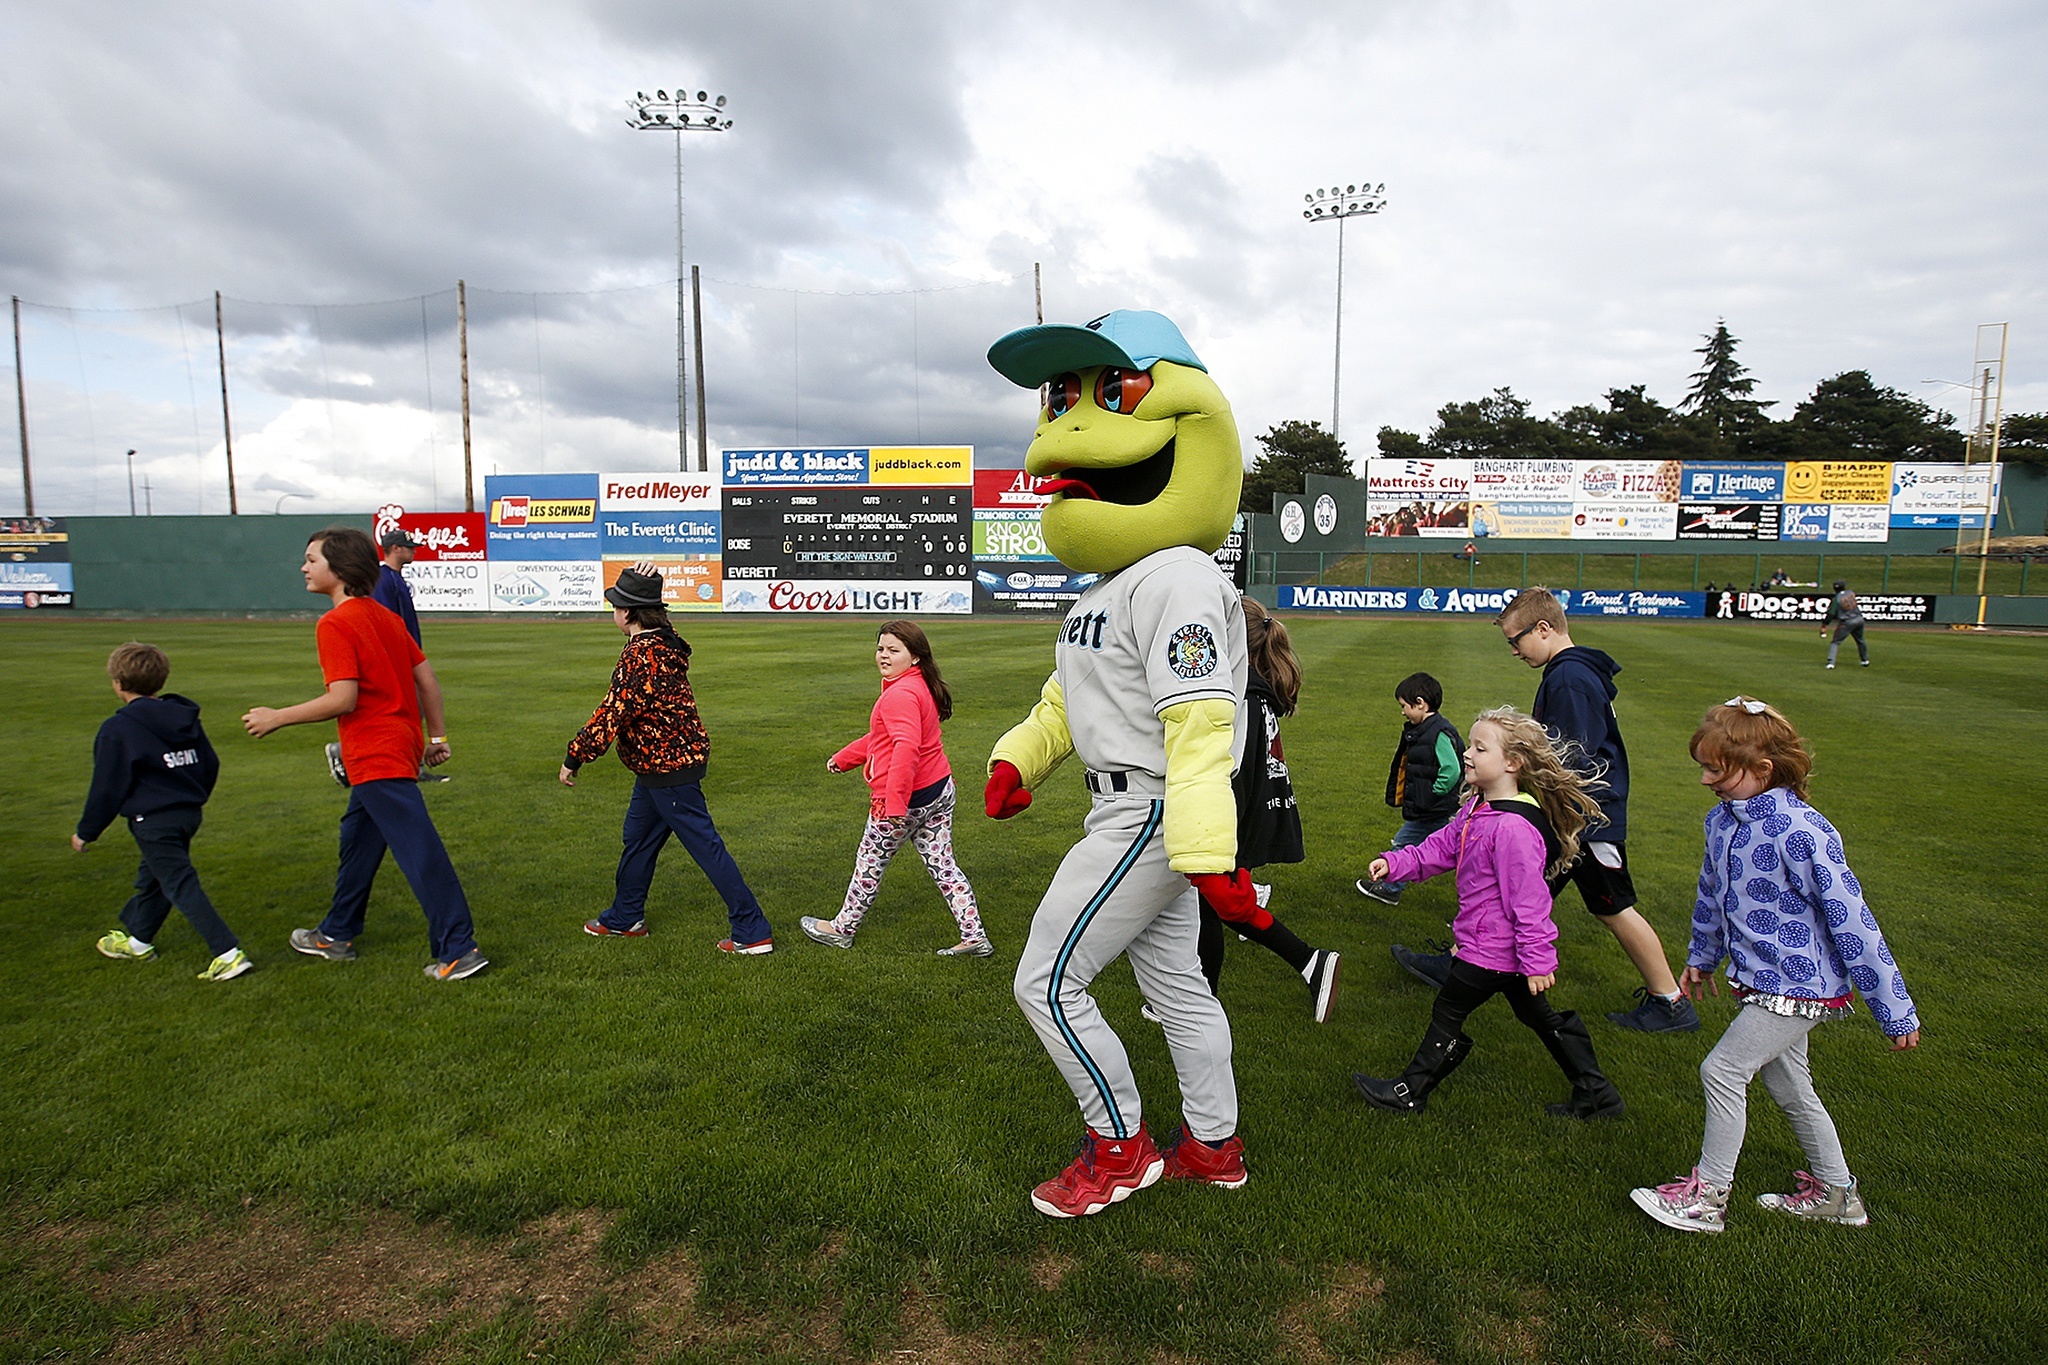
1191,652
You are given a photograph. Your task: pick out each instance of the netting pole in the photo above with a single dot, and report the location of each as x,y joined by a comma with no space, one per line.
227,427
682,386
1038,292
462,334
1991,477
697,346
28,483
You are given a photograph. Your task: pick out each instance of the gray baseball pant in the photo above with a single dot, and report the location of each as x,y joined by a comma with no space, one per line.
1760,1041
1114,893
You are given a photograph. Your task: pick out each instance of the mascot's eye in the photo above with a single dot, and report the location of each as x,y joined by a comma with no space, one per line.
1118,390
1061,393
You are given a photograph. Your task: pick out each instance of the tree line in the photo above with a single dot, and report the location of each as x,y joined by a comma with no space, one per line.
1847,417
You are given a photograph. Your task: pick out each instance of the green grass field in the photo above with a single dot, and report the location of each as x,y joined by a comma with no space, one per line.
643,1149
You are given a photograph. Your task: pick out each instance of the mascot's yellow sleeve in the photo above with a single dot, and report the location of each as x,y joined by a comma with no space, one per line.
1041,741
1201,808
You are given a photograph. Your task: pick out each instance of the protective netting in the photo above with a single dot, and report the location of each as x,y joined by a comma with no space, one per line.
346,406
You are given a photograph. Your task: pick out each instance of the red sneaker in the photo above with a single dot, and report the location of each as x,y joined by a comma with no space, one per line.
1190,1158
597,928
1104,1171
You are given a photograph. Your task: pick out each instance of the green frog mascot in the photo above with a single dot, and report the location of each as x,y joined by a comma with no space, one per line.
1145,470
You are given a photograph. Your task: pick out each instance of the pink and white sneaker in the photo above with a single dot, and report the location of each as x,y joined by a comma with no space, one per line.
1815,1199
1690,1205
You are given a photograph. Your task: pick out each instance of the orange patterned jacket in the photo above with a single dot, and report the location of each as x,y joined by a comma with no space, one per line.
651,713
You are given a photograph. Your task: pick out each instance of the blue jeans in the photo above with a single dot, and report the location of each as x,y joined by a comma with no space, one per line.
1413,832
390,813
652,815
166,879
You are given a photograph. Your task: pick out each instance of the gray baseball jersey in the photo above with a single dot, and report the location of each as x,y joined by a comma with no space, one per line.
1168,629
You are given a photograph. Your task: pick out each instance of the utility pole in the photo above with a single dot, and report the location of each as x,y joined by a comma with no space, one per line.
666,112
1038,292
227,427
1338,203
462,340
28,483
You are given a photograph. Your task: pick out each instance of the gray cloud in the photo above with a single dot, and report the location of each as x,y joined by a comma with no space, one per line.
1578,191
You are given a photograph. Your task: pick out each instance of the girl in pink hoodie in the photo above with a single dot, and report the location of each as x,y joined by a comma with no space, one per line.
1521,820
904,760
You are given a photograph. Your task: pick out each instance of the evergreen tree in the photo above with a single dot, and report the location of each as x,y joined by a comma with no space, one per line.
1396,444
1721,387
2023,436
1849,417
1289,451
1633,425
1498,426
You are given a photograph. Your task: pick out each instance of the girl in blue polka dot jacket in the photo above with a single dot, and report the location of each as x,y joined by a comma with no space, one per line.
1778,900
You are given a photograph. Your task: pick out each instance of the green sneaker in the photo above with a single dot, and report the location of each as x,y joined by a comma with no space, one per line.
120,946
227,966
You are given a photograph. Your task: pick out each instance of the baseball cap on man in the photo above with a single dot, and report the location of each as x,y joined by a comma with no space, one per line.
394,537
635,589
1135,339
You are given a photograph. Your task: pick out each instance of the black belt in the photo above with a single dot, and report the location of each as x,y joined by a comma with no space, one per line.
1102,784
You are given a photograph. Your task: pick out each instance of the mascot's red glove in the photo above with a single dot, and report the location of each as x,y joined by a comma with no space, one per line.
1231,896
1005,795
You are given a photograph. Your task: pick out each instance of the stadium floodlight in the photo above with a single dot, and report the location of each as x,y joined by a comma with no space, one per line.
1335,204
676,112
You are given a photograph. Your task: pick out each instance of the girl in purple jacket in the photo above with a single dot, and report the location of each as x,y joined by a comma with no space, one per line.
1520,822
1778,901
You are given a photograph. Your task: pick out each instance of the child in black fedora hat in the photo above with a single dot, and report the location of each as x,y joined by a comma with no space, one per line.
651,713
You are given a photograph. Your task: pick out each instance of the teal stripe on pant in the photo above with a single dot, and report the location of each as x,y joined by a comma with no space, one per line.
1114,895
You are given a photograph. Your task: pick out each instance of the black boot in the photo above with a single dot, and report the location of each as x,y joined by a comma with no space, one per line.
1437,1058
1593,1095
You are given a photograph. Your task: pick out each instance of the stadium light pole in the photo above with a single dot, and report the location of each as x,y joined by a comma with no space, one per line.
1336,204
677,112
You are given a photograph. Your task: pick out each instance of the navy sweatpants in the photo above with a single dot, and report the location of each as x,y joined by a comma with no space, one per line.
652,815
166,879
390,813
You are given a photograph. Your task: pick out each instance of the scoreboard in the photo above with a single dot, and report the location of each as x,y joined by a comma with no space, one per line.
862,532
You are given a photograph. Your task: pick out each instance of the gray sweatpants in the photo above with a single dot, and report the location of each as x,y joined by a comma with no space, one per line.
1760,1041
1115,894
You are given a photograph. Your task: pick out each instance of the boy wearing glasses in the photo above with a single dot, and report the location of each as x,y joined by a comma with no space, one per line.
1575,702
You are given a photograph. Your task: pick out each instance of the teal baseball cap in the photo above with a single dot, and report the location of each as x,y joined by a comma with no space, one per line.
1134,339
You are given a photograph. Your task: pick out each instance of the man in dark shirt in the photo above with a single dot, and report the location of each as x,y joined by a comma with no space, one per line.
392,589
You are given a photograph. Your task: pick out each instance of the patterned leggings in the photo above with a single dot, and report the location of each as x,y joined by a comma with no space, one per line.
929,829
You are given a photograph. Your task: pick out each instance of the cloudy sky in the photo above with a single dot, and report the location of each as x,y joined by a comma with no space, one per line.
1576,192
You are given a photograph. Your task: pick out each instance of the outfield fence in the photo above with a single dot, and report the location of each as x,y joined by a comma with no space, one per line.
1948,574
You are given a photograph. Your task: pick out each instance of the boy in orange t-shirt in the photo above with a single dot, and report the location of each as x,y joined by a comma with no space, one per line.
378,684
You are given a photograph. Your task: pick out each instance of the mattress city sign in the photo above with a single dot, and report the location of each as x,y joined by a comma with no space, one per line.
1428,480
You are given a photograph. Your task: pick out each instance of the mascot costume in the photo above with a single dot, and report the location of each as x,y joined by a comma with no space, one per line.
1145,471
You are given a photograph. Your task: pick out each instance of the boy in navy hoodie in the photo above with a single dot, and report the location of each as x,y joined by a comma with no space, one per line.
1575,702
153,767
